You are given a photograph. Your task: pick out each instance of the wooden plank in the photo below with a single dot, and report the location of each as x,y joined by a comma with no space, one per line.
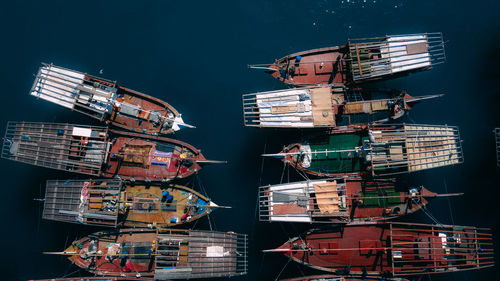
322,108
359,60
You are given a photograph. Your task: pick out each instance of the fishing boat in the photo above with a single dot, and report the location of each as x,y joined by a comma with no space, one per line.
162,254
392,249
360,60
114,202
376,150
334,277
99,151
325,107
97,278
340,200
106,101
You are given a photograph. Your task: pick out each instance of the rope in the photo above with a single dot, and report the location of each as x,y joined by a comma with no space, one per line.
71,273
449,202
262,163
283,172
424,209
277,277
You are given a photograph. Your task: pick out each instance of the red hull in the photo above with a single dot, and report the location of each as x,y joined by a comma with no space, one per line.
179,162
393,249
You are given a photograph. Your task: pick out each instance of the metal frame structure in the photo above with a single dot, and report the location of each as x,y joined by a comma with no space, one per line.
422,147
396,54
63,201
74,90
76,148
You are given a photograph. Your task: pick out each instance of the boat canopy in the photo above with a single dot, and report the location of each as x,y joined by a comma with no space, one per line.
413,148
293,108
83,201
291,202
75,90
394,54
75,148
203,254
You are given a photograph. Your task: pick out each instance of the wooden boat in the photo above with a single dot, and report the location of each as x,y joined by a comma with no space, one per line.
99,151
100,278
304,278
392,249
376,150
162,254
360,60
326,106
113,202
106,101
340,200
335,277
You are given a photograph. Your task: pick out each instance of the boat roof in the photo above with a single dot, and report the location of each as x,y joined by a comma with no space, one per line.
299,107
70,88
76,148
66,200
411,148
211,254
394,54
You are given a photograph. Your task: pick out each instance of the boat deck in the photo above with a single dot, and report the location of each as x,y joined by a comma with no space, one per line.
75,148
320,66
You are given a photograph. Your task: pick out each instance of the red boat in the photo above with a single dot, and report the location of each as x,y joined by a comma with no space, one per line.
162,254
106,101
330,277
392,249
101,152
340,200
325,107
95,278
360,60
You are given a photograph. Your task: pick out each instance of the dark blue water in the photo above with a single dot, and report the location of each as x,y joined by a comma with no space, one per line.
194,55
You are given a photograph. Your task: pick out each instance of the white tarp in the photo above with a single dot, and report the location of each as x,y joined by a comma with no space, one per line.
215,251
81,132
57,85
400,59
297,102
